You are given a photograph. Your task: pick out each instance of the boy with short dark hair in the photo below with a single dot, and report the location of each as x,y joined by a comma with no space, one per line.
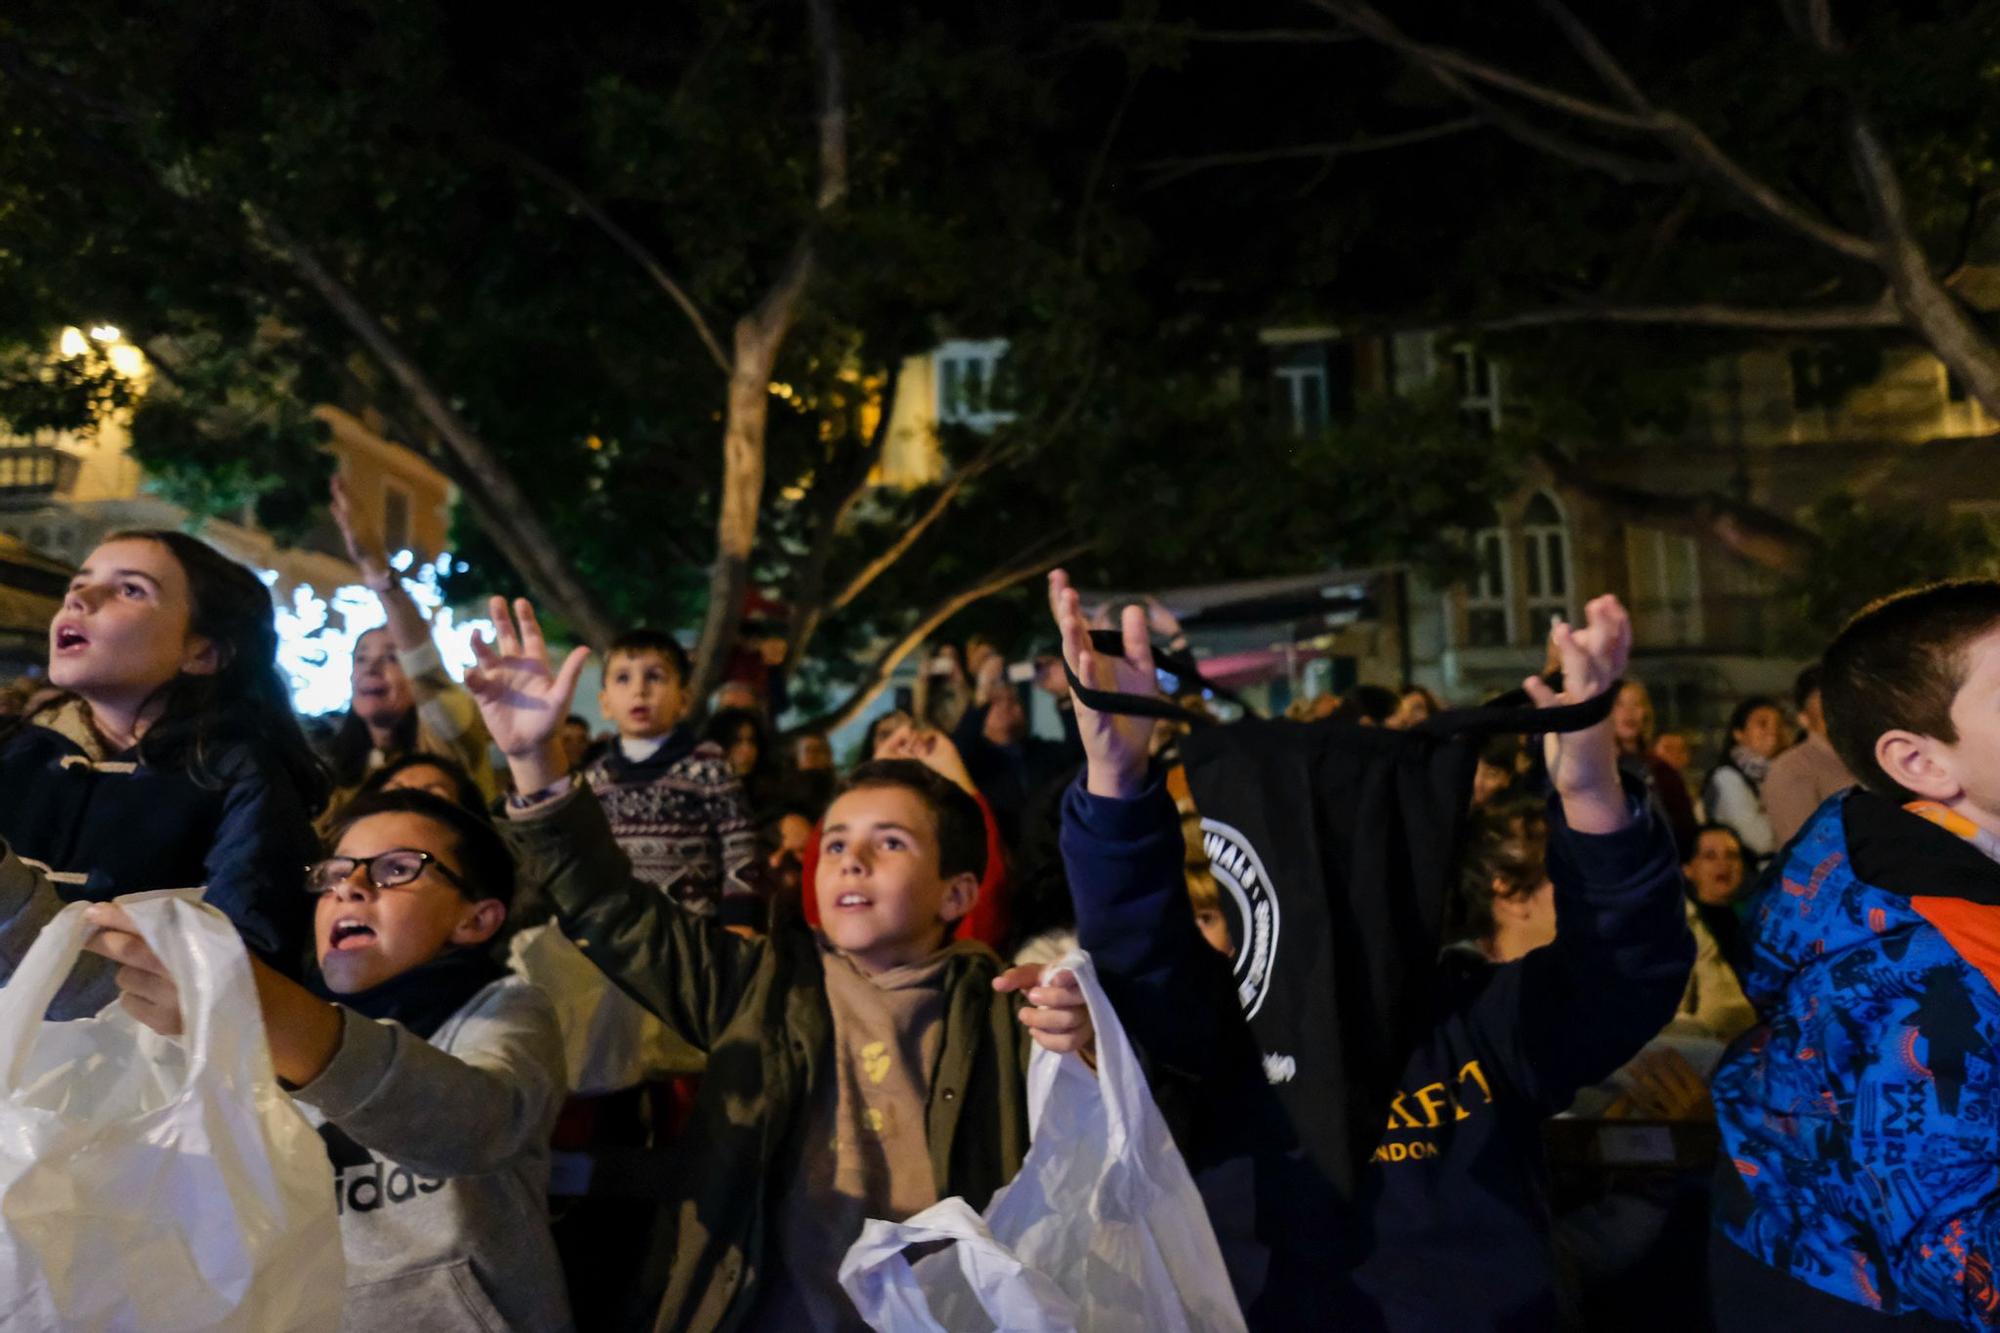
674,804
433,1075
1858,1118
864,1070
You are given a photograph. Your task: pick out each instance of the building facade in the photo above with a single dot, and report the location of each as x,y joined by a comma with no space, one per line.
1775,427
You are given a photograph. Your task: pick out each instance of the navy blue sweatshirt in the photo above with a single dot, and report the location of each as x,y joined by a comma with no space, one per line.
1451,1227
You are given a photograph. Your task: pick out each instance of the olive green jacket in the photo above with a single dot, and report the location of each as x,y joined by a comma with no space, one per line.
758,1008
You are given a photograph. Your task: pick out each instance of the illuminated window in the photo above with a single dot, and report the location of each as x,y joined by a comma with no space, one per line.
1478,383
1489,612
1665,578
1545,557
970,391
1301,382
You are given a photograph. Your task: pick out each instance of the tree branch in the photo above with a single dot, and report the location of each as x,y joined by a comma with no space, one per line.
1367,19
835,496
877,678
886,558
508,516
1927,303
1226,36
1878,314
1693,144
1758,535
625,241
1688,140
1177,168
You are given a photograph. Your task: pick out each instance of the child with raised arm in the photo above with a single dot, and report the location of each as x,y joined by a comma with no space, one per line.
864,1070
404,702
1450,1226
434,1077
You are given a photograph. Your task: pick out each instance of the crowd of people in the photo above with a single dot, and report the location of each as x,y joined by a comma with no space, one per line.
660,1017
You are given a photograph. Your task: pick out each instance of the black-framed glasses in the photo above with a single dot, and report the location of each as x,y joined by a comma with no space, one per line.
385,870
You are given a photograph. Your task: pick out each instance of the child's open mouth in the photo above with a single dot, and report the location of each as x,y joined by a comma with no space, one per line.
70,638
853,901
351,934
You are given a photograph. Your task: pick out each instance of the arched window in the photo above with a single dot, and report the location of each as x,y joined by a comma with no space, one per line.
1489,602
1545,543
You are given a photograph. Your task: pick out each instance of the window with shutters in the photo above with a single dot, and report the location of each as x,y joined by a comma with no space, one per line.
1545,561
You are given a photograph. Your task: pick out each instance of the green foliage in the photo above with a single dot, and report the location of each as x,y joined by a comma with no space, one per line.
1865,554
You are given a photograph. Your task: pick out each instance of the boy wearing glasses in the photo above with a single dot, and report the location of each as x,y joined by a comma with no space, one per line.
434,1075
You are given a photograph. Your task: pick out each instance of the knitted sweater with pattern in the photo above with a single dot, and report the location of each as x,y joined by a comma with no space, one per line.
681,817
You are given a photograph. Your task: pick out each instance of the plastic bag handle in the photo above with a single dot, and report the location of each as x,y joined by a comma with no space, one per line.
879,1277
1120,1080
202,954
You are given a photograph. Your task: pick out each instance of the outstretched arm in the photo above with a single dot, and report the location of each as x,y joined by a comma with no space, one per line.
1566,1015
687,970
408,629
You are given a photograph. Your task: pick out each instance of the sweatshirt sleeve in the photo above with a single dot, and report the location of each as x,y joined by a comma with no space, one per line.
687,970
28,901
1134,919
256,864
1566,1015
452,1113
449,714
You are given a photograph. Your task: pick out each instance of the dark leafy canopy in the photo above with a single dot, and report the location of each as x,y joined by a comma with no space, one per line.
433,157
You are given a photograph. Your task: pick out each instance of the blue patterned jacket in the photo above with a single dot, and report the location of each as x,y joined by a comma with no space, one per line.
1862,1116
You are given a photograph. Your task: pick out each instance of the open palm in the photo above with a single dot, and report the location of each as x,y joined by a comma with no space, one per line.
1116,746
521,697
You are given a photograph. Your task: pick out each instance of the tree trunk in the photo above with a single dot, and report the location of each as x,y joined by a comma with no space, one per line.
759,335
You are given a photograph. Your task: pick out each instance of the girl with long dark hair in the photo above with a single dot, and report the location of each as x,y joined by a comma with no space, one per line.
173,758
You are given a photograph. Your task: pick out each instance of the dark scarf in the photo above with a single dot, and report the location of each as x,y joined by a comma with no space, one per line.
422,998
678,745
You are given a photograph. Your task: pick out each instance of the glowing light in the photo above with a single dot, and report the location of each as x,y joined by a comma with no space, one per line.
72,343
106,333
316,634
126,359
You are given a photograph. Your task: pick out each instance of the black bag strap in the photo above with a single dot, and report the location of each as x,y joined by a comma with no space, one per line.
1180,663
1512,713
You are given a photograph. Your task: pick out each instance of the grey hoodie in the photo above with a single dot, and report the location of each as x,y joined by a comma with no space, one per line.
440,1148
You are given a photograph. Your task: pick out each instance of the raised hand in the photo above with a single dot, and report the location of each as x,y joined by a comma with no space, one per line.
1583,765
931,748
1057,1016
364,544
522,698
1116,748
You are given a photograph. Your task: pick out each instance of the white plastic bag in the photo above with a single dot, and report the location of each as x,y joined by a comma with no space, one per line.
1102,1231
148,1183
610,1042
